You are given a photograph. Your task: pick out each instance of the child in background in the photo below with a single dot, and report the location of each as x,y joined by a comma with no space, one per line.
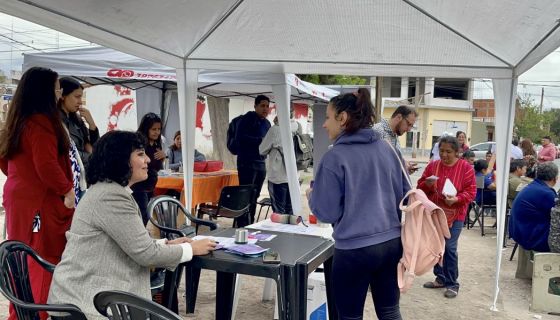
488,194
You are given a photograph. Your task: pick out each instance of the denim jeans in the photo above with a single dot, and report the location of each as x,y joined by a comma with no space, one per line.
357,269
280,197
449,272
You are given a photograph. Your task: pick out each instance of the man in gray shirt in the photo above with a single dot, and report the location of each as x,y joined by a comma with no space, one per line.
401,122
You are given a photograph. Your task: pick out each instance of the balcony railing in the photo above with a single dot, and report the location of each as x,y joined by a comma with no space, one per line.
485,119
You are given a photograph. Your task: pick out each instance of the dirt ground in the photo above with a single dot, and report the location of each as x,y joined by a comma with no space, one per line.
477,264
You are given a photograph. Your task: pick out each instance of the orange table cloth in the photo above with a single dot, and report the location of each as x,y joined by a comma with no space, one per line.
207,186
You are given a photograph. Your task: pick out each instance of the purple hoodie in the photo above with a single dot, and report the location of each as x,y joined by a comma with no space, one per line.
358,186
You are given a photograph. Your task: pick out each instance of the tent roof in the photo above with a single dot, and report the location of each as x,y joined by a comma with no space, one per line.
466,38
98,65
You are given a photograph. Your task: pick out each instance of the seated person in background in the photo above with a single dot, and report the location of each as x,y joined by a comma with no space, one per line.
108,247
517,179
554,235
529,223
469,157
174,155
488,194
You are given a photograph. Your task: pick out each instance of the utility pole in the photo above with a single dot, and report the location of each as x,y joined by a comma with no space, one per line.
542,98
417,99
378,100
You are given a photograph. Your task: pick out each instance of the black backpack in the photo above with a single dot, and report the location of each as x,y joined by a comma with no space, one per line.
232,143
303,148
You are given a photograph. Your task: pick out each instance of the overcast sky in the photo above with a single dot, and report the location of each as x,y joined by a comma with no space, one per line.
19,36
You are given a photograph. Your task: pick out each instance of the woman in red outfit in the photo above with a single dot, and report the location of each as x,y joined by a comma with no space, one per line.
38,194
461,174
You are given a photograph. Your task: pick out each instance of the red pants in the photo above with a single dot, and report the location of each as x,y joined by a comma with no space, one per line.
39,278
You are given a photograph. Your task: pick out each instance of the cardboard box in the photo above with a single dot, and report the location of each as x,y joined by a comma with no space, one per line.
546,283
317,297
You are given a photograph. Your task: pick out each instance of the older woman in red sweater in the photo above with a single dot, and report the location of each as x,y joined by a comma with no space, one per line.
461,174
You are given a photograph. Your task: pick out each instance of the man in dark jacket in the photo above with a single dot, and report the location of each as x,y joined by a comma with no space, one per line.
250,164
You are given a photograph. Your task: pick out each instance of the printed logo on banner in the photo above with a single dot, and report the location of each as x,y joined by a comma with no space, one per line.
121,107
119,73
126,74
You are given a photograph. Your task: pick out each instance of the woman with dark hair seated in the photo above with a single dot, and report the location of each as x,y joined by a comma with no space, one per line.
175,156
108,247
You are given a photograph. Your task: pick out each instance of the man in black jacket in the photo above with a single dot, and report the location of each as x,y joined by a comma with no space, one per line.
250,164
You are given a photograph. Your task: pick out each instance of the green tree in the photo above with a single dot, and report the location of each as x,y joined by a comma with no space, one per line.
533,124
325,79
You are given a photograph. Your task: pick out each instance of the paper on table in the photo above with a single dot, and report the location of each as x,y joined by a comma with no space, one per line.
267,225
248,249
449,189
223,242
261,236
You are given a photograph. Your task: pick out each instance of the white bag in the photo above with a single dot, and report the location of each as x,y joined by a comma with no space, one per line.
449,189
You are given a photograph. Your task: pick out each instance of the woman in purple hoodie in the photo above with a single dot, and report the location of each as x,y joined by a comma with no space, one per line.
358,186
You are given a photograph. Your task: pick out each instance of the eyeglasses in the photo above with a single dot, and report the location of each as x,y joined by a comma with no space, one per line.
410,124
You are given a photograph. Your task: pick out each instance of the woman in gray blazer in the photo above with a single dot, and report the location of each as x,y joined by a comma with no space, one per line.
108,247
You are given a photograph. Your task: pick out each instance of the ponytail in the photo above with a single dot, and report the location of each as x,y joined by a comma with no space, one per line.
359,108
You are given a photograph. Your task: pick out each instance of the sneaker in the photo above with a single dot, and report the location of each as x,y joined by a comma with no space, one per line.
157,279
433,285
450,293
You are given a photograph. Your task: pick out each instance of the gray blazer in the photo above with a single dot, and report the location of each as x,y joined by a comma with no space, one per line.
108,248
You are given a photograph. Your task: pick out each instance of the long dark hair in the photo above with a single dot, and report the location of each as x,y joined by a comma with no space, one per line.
173,146
359,108
146,123
35,94
69,85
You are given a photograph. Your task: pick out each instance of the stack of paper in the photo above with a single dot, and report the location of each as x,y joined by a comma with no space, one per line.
248,249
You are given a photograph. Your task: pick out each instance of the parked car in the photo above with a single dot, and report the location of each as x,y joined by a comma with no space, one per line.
480,149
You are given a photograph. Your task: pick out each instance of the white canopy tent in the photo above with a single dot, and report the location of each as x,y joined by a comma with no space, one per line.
497,39
99,65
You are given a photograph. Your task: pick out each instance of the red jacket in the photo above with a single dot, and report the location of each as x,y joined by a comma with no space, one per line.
461,175
38,177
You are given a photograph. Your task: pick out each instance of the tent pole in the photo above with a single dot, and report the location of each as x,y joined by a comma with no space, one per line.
162,112
505,93
187,84
282,95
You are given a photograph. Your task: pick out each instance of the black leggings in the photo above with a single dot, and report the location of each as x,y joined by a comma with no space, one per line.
142,199
357,269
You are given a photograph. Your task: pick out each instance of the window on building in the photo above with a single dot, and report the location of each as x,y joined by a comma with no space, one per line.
395,87
411,87
457,89
410,139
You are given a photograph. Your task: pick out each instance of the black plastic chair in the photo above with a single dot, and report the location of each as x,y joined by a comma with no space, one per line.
16,287
234,203
480,208
265,202
126,306
167,210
